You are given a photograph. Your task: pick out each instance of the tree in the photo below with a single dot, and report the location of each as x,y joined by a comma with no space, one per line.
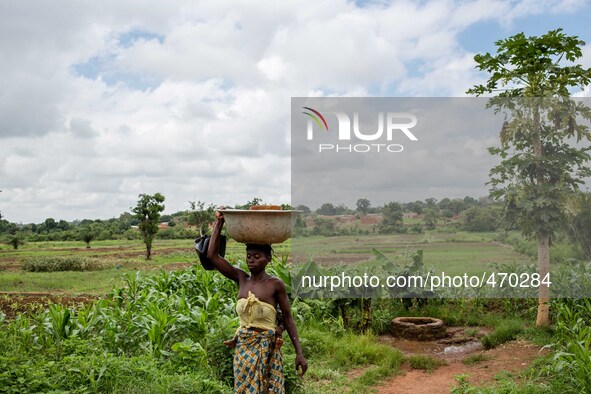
417,207
363,205
147,211
87,234
430,203
391,218
63,225
457,205
305,209
579,228
16,240
50,224
431,217
469,202
445,203
326,209
341,209
480,218
539,170
201,216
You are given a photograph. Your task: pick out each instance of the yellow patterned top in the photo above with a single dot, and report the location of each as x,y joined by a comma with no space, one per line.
255,313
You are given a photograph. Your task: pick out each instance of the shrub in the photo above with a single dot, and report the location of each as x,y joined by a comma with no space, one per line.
55,263
503,333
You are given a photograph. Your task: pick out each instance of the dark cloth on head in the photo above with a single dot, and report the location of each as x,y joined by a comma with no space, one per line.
265,248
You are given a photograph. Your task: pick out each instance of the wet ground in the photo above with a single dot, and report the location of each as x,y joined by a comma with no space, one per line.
462,341
509,358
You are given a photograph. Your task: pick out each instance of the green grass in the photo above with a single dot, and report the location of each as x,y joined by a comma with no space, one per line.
453,253
475,359
129,254
504,332
346,363
88,282
424,362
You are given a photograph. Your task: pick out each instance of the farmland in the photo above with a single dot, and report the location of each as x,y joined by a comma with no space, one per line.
135,325
452,252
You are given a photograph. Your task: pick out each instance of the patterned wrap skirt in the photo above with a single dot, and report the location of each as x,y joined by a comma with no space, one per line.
254,353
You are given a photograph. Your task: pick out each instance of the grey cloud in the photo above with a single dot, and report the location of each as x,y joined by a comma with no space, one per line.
446,157
29,106
82,128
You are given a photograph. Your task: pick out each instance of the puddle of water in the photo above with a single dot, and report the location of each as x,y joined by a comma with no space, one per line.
446,351
408,347
465,348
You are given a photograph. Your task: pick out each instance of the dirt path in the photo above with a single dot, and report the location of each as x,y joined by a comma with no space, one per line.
511,357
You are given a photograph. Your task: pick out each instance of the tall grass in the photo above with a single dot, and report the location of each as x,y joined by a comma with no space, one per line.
572,360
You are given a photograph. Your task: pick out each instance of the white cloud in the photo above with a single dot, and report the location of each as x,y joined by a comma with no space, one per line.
103,101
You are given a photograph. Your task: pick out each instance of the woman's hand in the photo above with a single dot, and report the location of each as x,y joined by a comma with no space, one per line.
219,215
302,364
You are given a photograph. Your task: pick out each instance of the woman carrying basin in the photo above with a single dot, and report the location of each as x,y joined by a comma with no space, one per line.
258,364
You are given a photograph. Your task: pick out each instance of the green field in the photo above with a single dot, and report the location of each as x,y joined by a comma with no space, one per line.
343,357
123,256
453,253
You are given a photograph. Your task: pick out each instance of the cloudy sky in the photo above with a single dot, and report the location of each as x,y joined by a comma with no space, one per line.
103,100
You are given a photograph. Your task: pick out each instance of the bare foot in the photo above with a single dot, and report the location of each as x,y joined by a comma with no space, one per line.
231,343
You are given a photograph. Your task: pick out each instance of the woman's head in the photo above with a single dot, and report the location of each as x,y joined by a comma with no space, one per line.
258,256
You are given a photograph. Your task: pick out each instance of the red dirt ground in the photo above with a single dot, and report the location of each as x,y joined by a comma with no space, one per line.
511,357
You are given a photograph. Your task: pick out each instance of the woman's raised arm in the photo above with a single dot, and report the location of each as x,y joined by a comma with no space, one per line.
220,263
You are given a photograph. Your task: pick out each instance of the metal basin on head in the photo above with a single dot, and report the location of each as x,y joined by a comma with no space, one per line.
259,226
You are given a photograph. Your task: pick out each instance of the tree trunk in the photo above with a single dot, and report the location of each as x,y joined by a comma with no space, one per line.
148,252
365,314
543,318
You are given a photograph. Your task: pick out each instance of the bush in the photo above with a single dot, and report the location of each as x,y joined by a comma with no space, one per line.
480,219
53,264
503,333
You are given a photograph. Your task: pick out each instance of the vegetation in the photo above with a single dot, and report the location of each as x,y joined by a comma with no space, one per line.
540,171
200,216
164,330
87,235
475,359
147,211
191,223
579,228
15,241
502,333
426,363
392,214
363,205
62,263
